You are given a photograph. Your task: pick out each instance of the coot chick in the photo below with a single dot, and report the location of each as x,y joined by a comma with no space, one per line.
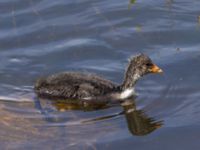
74,85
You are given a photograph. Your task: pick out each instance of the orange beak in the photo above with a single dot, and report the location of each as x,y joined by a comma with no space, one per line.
155,69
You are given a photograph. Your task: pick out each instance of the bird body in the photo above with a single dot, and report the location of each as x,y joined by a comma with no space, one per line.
74,85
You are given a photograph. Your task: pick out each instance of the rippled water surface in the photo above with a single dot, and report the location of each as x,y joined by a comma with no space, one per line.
41,37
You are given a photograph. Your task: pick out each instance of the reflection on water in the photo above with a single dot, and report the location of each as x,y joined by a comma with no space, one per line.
137,121
131,3
73,104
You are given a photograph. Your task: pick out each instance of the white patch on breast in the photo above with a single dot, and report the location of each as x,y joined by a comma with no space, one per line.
127,93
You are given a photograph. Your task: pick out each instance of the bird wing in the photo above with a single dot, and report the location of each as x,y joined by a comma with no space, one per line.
73,85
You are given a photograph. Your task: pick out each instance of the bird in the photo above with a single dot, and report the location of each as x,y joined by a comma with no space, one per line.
87,86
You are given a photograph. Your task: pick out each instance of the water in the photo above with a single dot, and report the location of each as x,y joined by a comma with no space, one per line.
41,37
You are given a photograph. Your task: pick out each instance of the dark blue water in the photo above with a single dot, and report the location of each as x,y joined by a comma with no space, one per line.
41,37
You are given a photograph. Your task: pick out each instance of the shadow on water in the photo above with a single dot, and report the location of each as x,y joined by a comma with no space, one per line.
138,122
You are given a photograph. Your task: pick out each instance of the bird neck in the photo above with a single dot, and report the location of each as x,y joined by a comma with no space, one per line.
130,81
132,75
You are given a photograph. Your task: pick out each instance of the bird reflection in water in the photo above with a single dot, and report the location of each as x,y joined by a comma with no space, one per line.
137,121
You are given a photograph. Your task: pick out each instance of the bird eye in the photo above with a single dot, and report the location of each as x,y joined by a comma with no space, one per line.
149,64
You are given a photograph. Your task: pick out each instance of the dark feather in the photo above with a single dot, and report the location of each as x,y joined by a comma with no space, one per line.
73,85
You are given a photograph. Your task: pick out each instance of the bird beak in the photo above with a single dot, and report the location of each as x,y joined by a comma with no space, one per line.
155,69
